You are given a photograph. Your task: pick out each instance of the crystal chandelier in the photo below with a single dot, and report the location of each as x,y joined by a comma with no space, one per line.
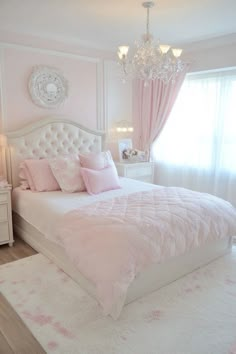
150,61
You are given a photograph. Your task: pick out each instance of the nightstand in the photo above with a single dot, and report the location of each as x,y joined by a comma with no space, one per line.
6,233
142,171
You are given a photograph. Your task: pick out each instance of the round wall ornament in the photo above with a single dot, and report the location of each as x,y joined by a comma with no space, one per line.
47,86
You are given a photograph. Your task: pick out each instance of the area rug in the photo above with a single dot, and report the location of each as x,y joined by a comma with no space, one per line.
194,315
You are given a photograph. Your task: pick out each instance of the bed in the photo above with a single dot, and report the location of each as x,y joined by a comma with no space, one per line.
54,136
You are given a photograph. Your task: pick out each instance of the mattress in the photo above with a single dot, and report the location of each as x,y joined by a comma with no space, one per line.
44,210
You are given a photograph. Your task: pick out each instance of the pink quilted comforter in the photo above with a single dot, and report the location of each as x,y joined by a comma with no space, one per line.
111,241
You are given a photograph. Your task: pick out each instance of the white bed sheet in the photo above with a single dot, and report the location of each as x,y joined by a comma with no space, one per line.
43,210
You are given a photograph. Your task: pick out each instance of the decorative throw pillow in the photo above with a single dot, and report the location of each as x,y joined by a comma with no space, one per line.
96,161
97,181
41,175
26,181
67,172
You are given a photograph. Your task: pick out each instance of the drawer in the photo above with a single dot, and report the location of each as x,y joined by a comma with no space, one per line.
3,212
3,197
133,172
4,232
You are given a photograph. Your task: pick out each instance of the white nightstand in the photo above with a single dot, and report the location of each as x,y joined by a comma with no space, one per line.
6,233
142,171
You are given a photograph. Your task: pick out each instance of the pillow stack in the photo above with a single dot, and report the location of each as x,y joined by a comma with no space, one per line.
94,172
99,172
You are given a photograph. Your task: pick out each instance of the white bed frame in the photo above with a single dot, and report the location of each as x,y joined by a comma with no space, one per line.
54,136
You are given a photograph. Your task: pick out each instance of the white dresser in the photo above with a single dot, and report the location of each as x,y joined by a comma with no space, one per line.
6,233
142,171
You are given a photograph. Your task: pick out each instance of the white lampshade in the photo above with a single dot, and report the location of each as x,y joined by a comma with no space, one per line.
177,52
123,51
164,48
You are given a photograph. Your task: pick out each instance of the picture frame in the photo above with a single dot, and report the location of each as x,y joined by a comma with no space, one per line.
123,145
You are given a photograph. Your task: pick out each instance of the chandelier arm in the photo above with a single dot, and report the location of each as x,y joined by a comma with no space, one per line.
147,26
149,61
124,68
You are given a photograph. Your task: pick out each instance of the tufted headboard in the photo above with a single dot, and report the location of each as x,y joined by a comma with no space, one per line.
47,138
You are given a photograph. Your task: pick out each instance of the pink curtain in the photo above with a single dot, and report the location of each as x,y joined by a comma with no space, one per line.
151,108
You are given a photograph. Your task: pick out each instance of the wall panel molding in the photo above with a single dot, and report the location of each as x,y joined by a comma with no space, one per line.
98,62
117,95
101,123
2,92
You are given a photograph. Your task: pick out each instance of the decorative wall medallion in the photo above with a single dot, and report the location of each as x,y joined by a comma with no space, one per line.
47,86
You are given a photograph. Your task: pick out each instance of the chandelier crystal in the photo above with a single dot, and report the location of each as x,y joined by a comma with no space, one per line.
150,60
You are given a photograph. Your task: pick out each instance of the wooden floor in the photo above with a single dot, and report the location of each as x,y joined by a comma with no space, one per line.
14,335
19,250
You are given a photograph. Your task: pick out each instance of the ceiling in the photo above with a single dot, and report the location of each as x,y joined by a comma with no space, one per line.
107,24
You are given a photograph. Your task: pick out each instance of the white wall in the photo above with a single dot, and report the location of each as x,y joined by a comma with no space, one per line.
212,54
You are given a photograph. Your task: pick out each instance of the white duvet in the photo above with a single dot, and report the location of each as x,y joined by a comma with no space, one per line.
111,241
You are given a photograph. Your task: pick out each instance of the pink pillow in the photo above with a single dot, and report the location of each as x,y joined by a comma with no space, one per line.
96,161
26,179
67,172
41,175
100,181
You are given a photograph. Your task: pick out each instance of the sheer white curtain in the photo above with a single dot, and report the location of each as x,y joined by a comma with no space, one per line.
197,148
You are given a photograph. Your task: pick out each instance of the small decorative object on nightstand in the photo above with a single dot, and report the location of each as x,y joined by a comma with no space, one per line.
142,171
6,233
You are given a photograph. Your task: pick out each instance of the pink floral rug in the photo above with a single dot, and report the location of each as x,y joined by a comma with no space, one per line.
196,314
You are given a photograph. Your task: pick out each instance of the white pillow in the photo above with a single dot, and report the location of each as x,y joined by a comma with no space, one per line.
67,172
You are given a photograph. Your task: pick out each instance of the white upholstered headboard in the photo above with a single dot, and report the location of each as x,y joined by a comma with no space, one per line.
49,137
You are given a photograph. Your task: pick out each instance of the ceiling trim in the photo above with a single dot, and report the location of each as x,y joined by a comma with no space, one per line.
50,52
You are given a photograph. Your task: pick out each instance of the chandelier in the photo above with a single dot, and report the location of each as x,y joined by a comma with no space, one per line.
150,60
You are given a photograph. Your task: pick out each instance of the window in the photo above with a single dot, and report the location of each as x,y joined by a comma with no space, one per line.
201,130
